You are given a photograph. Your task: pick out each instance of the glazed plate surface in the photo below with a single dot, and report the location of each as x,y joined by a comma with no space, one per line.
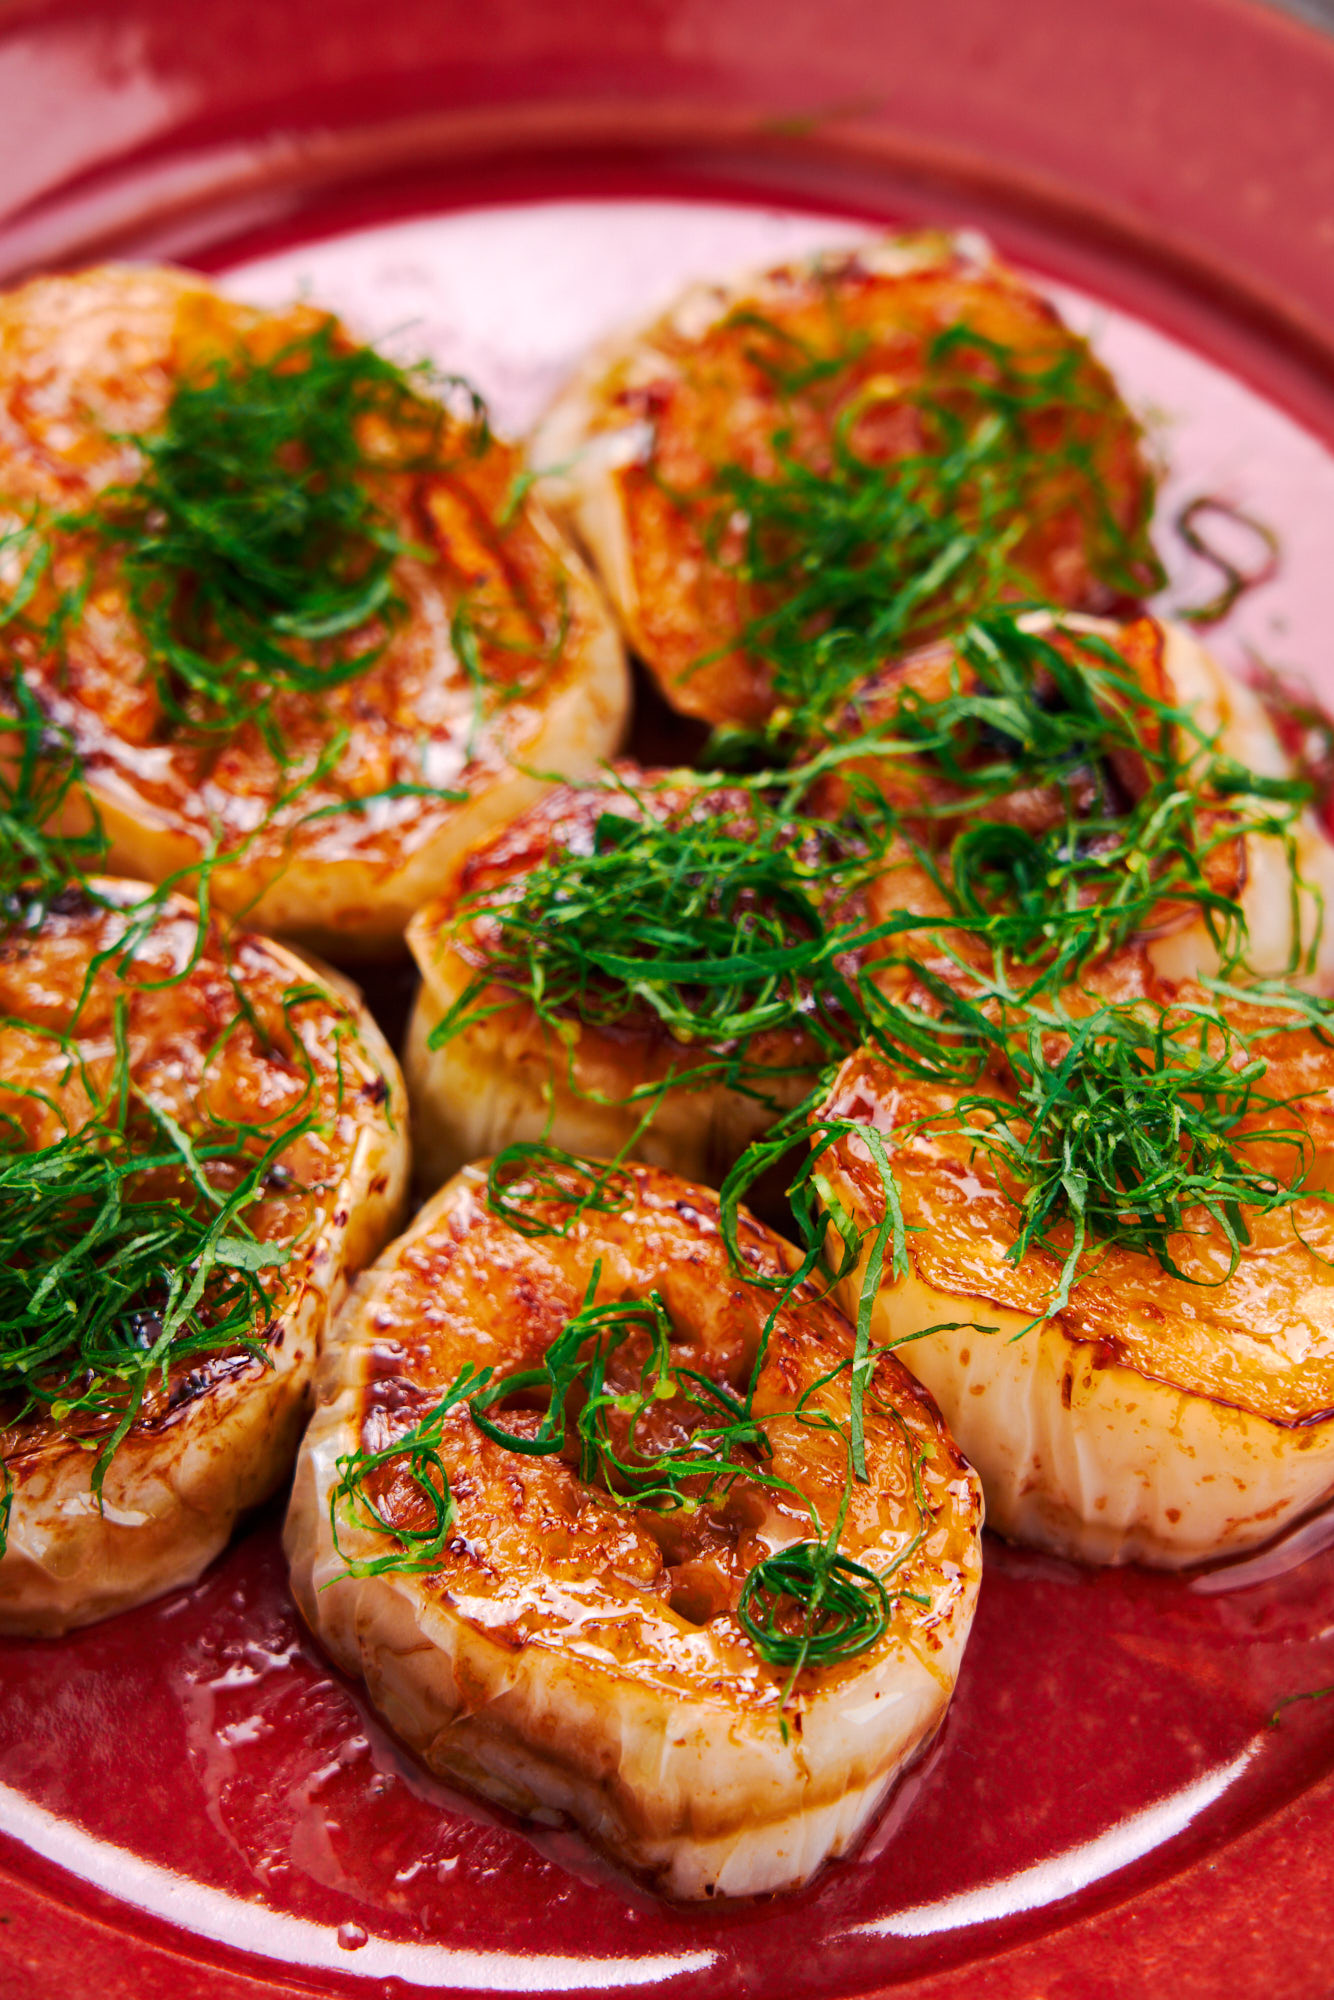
1133,1792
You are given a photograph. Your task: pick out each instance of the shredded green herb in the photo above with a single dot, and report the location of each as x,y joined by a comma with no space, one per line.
844,1606
805,1604
724,1446
126,1252
1120,1124
716,914
1288,1700
1236,578
419,1550
258,542
1141,804
40,786
854,561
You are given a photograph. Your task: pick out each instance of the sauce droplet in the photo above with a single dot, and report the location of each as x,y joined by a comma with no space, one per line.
352,1936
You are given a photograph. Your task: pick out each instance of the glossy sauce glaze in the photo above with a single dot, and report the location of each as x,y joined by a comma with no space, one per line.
338,809
601,1658
1107,1728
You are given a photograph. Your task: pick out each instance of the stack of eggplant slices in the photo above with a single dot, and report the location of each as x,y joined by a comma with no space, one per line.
922,1096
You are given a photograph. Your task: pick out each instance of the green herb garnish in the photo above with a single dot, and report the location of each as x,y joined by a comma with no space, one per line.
125,1252
415,1455
1107,1124
805,1604
717,915
855,560
259,541
1141,803
40,788
1236,579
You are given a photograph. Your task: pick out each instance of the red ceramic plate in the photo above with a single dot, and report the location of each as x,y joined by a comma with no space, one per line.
1126,1799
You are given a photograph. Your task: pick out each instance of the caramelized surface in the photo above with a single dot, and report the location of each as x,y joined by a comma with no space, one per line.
701,389
1261,1340
86,360
539,1558
612,1056
237,1037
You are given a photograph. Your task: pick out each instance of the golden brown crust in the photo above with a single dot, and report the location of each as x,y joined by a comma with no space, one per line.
510,1075
219,1436
333,862
1261,1341
1152,1418
1284,886
568,1650
639,438
472,1289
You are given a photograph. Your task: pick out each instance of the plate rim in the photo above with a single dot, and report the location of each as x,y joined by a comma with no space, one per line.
1206,1919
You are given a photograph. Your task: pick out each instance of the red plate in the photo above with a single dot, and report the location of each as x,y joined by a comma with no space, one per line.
192,1804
